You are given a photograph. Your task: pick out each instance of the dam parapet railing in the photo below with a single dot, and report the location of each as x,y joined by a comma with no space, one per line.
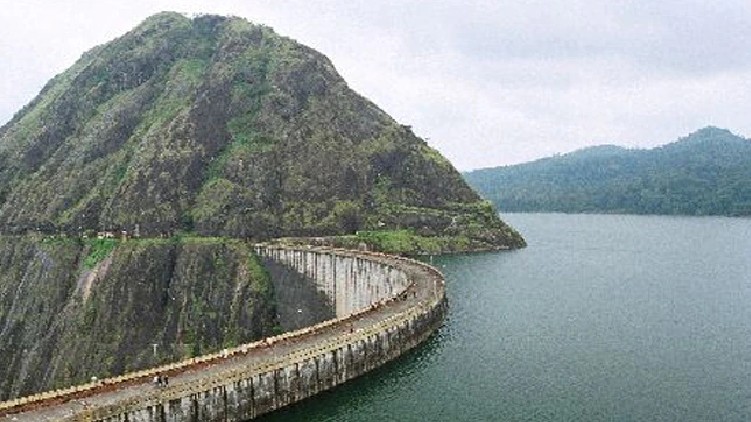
386,305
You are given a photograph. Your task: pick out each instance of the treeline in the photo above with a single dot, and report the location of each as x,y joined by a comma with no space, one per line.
706,173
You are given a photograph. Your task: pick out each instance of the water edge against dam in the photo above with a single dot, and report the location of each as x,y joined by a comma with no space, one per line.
622,318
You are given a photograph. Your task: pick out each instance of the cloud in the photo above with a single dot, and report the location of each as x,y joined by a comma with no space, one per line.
487,82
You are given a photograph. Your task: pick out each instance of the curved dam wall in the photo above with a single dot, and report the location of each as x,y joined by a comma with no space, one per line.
313,287
385,306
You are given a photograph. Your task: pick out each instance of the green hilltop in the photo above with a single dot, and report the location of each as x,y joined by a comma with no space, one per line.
219,127
705,173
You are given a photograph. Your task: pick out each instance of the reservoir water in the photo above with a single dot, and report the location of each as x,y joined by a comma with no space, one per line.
601,318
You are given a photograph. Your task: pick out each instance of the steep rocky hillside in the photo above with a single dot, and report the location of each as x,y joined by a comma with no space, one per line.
72,309
222,127
196,128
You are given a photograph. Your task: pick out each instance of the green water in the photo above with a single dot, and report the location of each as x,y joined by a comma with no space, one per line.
601,318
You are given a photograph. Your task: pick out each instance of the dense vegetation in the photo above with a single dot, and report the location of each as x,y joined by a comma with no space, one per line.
706,173
220,127
476,231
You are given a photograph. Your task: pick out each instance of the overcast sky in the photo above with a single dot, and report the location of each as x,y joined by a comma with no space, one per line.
485,82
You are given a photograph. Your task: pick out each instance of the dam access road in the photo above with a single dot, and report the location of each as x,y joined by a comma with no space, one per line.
385,306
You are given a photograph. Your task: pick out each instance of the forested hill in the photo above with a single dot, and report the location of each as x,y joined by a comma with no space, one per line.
705,173
218,126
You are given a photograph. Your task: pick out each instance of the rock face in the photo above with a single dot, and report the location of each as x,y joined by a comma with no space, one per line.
222,127
70,309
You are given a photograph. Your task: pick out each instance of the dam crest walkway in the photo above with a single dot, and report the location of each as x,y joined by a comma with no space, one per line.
385,306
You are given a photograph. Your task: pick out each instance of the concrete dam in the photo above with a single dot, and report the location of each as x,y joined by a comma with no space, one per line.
378,307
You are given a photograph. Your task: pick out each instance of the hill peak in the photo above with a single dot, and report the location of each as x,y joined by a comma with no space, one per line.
711,133
216,125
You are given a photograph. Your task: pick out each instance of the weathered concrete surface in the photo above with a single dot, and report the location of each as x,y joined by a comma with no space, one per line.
298,301
395,304
350,282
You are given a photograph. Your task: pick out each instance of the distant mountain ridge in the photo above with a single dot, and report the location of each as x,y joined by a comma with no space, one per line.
706,173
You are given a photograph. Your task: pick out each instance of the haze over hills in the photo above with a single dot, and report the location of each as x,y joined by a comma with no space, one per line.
706,173
222,127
